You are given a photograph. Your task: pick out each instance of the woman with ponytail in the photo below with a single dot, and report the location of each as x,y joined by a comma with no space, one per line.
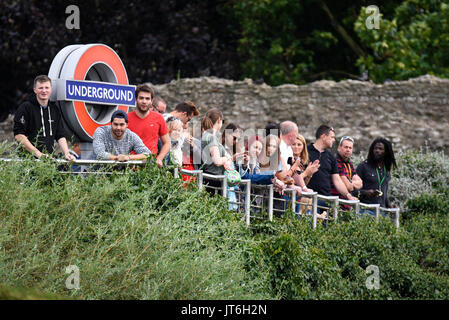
214,157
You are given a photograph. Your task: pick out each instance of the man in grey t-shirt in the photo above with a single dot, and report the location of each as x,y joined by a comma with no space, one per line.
116,141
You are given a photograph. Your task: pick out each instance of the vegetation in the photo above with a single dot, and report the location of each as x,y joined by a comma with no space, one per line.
156,40
411,42
139,234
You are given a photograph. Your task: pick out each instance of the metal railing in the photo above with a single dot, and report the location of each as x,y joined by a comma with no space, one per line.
247,203
249,199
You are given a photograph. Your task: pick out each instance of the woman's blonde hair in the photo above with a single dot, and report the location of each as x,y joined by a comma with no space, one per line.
173,123
304,154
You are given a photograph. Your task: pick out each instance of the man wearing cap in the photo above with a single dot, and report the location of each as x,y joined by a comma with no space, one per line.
346,169
115,142
149,125
38,122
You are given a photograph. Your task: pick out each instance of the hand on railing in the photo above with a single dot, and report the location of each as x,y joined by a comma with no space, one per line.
278,185
70,157
305,189
120,157
297,188
351,197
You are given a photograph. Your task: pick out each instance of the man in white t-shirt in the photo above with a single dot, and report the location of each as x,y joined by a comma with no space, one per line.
289,132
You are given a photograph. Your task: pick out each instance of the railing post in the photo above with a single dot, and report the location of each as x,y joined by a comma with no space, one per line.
200,180
396,219
248,202
336,205
294,200
377,213
224,185
175,172
270,202
357,209
314,210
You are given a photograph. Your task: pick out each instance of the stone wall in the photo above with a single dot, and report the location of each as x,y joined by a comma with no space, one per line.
406,112
6,129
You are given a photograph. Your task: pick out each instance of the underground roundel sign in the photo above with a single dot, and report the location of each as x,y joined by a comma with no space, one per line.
89,84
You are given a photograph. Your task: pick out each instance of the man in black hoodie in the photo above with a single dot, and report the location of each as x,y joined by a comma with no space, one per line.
37,122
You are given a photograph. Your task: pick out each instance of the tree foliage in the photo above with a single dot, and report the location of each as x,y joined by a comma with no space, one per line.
277,41
157,40
411,42
290,41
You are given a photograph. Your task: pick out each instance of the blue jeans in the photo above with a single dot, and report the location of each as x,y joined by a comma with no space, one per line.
232,197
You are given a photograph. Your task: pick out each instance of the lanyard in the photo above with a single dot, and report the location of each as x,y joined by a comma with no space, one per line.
348,170
383,178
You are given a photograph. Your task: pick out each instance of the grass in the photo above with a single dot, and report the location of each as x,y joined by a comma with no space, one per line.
141,235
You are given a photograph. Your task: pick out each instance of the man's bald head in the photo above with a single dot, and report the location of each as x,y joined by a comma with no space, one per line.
289,131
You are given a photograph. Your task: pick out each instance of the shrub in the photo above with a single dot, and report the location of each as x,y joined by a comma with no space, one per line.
137,235
140,235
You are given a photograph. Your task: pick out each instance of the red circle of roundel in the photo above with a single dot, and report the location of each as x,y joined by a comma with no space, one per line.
96,54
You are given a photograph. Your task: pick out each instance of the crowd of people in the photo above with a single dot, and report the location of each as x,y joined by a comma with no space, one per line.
277,155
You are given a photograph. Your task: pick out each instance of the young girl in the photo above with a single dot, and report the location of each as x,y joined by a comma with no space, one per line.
270,159
272,162
175,131
249,162
229,139
249,168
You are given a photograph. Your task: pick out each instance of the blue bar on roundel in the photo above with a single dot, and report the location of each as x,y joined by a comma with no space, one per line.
100,92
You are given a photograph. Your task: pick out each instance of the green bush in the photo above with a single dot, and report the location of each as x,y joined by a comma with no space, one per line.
140,235
137,235
319,264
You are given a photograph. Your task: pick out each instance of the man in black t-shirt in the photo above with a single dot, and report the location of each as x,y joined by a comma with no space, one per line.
321,180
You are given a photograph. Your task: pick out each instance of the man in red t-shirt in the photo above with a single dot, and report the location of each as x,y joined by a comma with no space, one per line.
149,125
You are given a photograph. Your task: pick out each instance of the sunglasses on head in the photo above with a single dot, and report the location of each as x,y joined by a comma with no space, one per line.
346,138
156,109
172,118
